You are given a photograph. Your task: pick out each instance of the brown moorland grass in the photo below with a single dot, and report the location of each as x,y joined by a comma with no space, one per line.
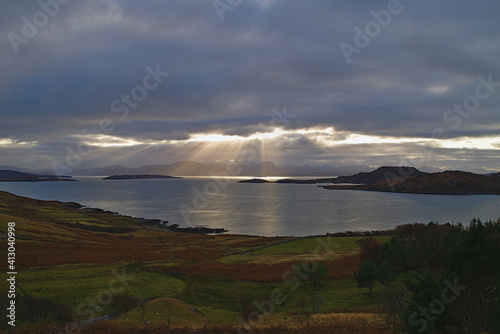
198,253
344,267
257,242
348,324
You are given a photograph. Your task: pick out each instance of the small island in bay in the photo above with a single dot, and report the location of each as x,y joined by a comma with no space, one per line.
254,181
140,177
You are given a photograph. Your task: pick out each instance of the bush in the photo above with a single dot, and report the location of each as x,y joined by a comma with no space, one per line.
122,303
40,310
371,249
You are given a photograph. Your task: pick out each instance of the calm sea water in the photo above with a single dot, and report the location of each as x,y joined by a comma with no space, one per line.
261,209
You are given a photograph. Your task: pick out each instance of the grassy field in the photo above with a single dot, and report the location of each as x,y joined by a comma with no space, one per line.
193,279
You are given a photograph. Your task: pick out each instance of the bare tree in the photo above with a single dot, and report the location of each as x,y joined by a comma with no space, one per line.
474,311
393,298
144,305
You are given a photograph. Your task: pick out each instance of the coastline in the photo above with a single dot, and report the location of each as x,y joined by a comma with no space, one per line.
161,225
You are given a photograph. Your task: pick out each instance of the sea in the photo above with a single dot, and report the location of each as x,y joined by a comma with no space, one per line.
268,209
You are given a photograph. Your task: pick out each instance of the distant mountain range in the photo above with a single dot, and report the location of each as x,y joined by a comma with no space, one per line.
191,168
241,168
25,170
139,177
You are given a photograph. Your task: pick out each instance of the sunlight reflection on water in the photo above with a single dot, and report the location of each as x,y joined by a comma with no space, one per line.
264,209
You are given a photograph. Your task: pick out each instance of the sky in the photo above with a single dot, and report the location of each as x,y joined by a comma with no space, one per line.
103,82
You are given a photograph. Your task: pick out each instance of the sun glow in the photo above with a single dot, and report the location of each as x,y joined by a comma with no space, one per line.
354,139
327,137
109,141
217,137
481,143
9,142
213,137
276,144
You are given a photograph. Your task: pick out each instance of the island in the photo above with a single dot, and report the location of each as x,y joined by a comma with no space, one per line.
443,183
401,179
140,177
15,176
254,181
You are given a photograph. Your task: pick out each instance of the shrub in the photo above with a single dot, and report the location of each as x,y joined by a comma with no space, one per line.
123,302
41,310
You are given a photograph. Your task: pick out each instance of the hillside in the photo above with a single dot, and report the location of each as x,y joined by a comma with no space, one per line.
380,174
67,255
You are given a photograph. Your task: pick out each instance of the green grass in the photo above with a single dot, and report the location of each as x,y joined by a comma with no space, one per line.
159,311
74,291
219,316
310,245
226,295
334,294
65,272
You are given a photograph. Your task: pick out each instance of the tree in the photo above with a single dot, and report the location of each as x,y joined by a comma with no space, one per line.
318,271
396,253
123,302
143,298
426,309
393,298
321,273
366,276
371,249
475,262
386,273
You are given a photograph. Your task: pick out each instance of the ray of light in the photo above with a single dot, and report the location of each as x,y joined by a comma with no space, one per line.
481,143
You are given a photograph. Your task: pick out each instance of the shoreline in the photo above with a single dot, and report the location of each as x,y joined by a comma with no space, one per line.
161,225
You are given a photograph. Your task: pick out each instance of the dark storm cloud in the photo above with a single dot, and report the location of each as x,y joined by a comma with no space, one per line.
227,76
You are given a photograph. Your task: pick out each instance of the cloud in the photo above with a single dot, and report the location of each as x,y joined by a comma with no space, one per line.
227,77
